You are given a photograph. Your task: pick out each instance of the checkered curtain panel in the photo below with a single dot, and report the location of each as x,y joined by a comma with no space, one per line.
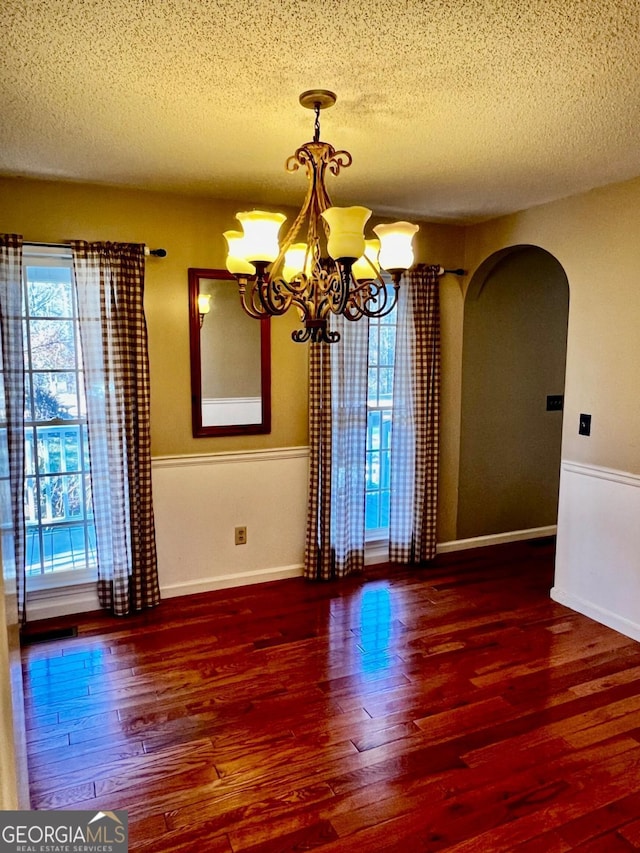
338,431
110,286
414,436
12,420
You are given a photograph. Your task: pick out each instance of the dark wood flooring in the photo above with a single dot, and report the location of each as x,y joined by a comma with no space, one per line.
453,707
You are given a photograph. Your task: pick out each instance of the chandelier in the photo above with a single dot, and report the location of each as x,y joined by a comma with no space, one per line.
336,270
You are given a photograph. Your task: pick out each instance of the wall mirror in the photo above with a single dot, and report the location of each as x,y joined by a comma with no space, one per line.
230,359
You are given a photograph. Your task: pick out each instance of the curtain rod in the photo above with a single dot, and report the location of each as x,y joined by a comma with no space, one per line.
442,270
158,253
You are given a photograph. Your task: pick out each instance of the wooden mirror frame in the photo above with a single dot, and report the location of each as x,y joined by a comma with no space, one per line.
200,431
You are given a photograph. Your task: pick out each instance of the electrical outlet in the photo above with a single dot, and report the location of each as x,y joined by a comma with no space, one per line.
241,535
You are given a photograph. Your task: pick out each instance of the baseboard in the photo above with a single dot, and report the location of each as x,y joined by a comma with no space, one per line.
229,581
83,599
378,552
496,539
597,613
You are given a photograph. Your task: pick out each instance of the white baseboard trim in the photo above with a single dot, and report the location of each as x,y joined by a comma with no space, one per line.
230,581
83,599
378,552
496,539
597,613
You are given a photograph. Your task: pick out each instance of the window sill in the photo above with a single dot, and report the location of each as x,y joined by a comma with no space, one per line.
57,582
376,547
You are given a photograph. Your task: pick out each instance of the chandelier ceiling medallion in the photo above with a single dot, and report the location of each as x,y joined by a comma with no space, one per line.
336,269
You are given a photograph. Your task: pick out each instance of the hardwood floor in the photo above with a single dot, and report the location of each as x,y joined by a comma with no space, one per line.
454,707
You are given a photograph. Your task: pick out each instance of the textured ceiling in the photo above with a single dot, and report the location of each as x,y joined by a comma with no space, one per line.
453,110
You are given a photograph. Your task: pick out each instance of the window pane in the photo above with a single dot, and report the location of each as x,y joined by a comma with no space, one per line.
49,450
384,509
71,440
372,386
385,462
55,395
30,501
52,345
49,291
373,430
385,438
64,548
372,501
33,551
60,498
373,470
382,341
386,383
373,343
387,344
58,481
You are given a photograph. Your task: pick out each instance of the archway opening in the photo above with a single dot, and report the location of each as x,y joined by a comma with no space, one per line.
513,366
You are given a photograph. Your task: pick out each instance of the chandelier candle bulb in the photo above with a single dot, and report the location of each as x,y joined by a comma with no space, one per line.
346,231
260,235
367,266
396,251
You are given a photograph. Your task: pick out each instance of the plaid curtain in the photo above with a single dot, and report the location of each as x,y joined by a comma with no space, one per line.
110,287
338,431
414,436
12,420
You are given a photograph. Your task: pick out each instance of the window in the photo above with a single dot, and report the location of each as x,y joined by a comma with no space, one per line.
382,344
60,546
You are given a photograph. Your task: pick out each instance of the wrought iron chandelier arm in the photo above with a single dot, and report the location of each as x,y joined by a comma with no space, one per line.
371,299
248,300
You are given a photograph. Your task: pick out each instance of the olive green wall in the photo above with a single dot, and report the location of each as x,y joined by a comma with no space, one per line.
190,229
594,236
514,348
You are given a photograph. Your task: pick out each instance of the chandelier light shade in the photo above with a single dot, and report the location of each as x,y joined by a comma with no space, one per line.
236,264
336,270
396,250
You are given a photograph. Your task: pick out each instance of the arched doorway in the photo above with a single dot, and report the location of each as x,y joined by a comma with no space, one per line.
514,353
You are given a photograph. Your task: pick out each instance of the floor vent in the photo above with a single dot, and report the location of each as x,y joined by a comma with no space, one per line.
47,636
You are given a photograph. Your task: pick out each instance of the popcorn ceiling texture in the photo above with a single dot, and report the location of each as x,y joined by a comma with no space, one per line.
453,110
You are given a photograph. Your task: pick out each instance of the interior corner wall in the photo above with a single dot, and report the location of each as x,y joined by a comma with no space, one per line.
594,236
